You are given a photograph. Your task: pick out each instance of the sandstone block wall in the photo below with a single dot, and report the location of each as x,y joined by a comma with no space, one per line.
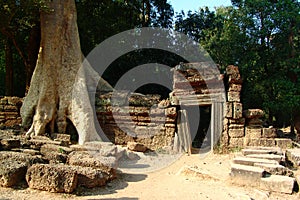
233,132
10,111
245,127
143,119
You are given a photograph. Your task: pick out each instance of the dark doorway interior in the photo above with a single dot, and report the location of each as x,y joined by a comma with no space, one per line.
198,134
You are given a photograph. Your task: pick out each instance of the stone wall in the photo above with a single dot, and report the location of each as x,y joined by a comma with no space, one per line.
10,112
234,121
245,127
131,117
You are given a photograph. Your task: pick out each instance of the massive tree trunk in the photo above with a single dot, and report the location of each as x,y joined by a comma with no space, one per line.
49,102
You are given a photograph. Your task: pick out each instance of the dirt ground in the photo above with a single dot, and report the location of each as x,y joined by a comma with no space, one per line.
166,183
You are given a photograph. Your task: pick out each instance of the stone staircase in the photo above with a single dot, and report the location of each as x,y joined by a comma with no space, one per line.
265,168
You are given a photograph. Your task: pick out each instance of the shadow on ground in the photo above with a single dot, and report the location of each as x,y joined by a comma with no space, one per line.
112,187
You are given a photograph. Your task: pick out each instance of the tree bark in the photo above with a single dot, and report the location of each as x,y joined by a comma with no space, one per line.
50,99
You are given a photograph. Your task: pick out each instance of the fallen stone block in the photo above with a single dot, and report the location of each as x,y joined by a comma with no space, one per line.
36,144
55,157
104,148
95,161
31,152
21,157
89,177
284,143
12,172
61,137
8,144
245,175
293,155
252,161
277,158
277,183
258,150
133,146
47,148
52,178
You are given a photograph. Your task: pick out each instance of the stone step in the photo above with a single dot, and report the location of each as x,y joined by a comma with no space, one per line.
252,161
273,169
278,158
277,183
293,155
244,174
262,150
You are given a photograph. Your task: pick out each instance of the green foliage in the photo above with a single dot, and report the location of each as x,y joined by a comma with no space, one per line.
262,38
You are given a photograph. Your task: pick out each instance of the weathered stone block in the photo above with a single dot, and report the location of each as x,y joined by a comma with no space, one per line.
52,178
62,137
253,133
267,142
237,121
236,131
133,146
253,113
8,144
251,141
38,143
277,183
89,177
232,70
273,169
260,150
55,157
236,142
284,143
171,112
237,110
252,161
246,174
293,155
235,87
269,133
20,157
229,109
50,148
12,172
14,101
233,96
96,161
254,122
277,158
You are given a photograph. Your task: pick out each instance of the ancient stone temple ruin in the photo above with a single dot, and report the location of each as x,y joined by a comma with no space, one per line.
156,123
147,123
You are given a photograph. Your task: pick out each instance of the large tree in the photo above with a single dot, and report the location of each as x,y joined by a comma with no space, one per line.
50,101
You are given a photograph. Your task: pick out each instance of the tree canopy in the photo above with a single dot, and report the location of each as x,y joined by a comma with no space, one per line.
259,36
